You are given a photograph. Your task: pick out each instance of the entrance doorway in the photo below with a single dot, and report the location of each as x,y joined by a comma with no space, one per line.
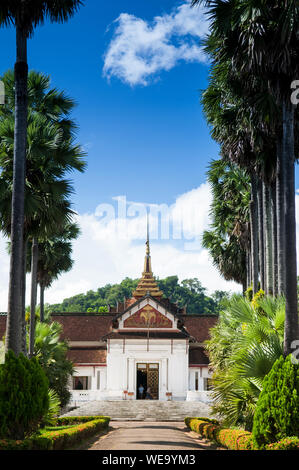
147,381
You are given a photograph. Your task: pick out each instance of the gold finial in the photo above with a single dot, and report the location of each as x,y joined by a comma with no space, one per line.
147,283
147,236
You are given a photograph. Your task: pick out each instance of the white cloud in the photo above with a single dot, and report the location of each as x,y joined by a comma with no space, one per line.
108,250
139,49
105,254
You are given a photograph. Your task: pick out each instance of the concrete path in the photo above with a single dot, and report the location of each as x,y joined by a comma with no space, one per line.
149,436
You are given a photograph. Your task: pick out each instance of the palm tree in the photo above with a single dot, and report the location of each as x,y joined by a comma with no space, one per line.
25,15
51,152
47,207
228,239
261,39
243,346
51,352
54,259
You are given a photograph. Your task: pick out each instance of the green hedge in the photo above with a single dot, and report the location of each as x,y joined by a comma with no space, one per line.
234,439
83,427
288,443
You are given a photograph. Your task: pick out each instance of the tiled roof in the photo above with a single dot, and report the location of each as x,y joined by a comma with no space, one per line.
87,355
91,327
198,326
84,327
198,356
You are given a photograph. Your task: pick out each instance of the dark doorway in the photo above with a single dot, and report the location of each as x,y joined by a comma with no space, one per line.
147,382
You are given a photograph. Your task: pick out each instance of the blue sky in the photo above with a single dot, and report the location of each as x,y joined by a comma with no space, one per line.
155,132
135,68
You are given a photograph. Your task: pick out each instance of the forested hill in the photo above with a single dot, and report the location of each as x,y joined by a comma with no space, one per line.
189,292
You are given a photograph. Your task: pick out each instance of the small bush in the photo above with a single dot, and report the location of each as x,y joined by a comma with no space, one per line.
289,443
208,420
277,410
23,396
233,439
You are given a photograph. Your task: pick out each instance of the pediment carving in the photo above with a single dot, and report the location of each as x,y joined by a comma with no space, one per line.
148,317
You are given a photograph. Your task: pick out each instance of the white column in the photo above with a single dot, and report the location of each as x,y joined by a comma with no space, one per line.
131,375
163,379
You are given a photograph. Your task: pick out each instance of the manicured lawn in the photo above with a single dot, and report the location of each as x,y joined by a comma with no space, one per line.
56,428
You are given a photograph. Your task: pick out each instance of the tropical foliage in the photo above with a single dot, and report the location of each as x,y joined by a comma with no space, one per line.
50,351
228,240
253,47
25,16
243,347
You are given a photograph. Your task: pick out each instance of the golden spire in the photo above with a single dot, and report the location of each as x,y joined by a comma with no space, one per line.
147,283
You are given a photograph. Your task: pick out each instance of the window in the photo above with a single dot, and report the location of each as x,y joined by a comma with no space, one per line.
196,380
80,383
207,383
99,380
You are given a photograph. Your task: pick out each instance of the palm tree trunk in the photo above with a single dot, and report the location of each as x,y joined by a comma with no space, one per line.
274,237
254,235
34,261
280,205
248,267
261,233
268,239
291,317
42,303
14,311
24,335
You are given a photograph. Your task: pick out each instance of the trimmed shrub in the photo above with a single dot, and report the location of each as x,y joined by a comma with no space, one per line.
288,443
208,420
61,439
233,439
277,410
24,397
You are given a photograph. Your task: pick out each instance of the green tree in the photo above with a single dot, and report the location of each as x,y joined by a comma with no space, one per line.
24,397
277,410
51,354
243,347
261,39
54,259
25,16
228,240
51,152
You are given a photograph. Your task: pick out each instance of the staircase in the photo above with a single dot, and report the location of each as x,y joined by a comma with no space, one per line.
142,410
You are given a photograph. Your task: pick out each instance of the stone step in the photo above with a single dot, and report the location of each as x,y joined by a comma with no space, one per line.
142,410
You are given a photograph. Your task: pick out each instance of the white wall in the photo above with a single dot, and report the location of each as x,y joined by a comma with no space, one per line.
122,366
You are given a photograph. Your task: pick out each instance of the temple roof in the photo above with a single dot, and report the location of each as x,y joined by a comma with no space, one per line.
147,283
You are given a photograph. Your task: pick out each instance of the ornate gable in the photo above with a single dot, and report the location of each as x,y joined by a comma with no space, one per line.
147,317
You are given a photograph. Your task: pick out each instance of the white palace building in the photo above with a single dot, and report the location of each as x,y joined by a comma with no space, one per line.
145,343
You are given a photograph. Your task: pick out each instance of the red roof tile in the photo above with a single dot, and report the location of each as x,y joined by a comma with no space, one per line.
198,326
198,356
84,327
87,355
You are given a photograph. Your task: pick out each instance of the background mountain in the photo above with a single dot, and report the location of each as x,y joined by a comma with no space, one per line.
189,292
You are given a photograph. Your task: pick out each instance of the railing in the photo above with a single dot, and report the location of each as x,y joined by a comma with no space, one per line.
84,395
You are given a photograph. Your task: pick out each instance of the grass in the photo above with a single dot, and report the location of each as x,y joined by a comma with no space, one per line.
57,428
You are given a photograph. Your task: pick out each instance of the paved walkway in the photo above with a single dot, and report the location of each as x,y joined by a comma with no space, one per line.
149,436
